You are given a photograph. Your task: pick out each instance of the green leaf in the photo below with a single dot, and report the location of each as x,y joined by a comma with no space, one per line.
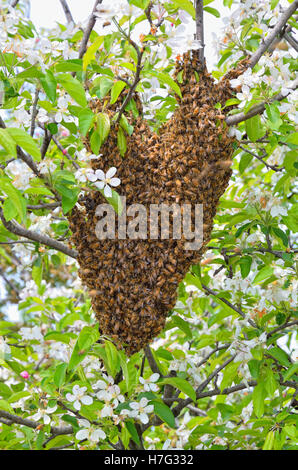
279,355
291,371
91,51
187,6
269,441
263,274
281,234
95,142
121,142
59,375
133,432
229,374
245,265
125,125
103,126
105,84
258,397
182,325
49,84
116,90
86,118
15,197
254,128
37,271
5,406
88,336
182,385
71,65
58,441
273,114
113,359
164,413
74,88
213,11
25,141
77,356
8,143
163,78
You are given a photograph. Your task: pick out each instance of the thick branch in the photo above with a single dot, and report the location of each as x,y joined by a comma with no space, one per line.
266,43
199,36
151,360
88,30
67,11
14,3
259,108
17,229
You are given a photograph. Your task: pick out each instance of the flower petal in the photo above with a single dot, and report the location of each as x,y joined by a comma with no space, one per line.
111,172
108,191
115,182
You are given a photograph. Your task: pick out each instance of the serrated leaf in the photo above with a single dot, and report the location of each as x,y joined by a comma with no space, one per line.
182,385
25,141
59,375
263,274
8,143
213,11
86,118
49,84
163,78
254,128
74,88
103,126
121,142
164,413
116,90
91,51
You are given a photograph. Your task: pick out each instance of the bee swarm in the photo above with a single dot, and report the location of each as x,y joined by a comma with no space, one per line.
133,283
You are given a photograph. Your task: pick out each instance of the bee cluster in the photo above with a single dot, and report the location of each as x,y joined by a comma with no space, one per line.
133,283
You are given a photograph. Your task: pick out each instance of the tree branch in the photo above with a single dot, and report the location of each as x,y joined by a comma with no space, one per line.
33,424
259,108
32,165
238,310
266,43
88,30
271,167
17,229
151,360
199,36
14,3
292,41
67,11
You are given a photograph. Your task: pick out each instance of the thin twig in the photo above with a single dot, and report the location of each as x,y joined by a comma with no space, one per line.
292,41
233,307
266,43
67,11
260,158
88,30
34,112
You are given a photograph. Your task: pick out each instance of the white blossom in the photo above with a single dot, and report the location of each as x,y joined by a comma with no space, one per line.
79,397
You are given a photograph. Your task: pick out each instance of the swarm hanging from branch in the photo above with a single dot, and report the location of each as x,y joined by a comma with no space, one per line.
133,283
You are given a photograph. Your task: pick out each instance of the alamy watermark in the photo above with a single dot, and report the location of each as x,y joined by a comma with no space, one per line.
158,221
